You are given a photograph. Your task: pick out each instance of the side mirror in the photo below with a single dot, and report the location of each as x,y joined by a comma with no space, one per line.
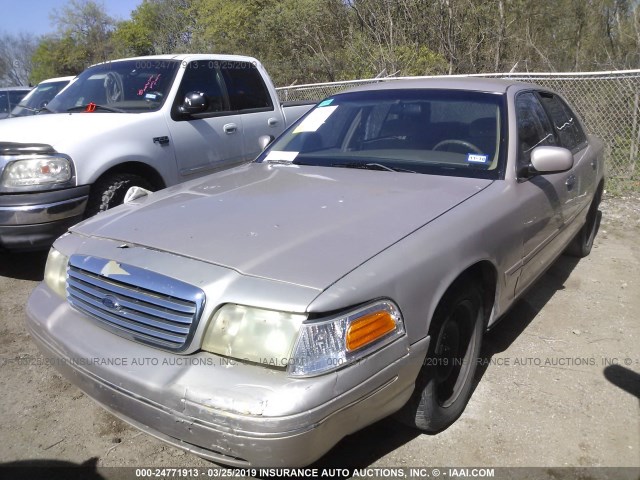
264,141
547,159
194,102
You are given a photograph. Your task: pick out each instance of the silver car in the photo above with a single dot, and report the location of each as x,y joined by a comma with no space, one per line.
258,315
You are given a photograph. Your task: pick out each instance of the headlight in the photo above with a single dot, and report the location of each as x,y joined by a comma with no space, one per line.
281,339
327,345
55,272
253,334
37,171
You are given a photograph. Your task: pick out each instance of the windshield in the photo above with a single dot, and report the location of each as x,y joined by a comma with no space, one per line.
443,132
38,98
130,86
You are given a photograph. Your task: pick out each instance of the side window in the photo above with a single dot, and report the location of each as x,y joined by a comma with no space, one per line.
15,98
203,76
245,86
534,128
564,121
4,103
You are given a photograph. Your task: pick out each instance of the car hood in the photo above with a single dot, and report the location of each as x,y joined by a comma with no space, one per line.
302,225
62,130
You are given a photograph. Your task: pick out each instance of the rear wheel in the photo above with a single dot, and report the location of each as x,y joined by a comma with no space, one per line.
582,243
109,191
445,382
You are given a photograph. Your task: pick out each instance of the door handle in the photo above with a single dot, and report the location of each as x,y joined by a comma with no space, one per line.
272,122
230,128
594,164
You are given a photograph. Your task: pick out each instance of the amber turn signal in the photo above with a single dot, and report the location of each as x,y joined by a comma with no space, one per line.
368,329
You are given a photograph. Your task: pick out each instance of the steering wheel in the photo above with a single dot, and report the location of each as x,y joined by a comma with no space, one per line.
113,88
454,141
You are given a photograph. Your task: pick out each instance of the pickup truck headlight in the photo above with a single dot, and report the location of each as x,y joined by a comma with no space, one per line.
327,345
55,272
253,334
37,171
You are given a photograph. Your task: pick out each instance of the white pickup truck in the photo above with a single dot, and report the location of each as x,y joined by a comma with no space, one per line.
150,122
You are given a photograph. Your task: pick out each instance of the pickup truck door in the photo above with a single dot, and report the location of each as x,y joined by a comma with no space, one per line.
208,141
249,96
543,198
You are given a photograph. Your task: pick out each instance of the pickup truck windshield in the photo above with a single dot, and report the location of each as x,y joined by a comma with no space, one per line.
441,132
130,86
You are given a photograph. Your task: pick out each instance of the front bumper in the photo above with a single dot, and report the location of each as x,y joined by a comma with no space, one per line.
31,221
232,413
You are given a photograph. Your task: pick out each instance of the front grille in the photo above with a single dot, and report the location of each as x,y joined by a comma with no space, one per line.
135,303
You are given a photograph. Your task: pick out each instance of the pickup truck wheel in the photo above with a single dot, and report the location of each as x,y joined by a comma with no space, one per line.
582,243
445,382
109,191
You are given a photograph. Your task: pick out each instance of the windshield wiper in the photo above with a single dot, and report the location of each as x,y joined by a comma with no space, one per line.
31,109
95,106
372,166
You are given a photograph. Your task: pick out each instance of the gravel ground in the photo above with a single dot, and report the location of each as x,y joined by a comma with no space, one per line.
560,385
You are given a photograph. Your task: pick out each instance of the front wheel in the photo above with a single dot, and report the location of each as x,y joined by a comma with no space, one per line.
445,382
109,191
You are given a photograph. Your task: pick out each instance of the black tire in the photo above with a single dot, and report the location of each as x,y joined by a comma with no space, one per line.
109,191
445,382
582,243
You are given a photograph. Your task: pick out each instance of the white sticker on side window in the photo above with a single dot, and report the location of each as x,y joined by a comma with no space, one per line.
477,158
315,119
281,156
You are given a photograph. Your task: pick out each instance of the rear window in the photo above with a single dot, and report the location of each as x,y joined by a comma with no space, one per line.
245,86
565,123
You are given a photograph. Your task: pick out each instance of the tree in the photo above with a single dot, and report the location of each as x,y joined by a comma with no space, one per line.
15,58
89,26
83,38
53,57
305,41
156,27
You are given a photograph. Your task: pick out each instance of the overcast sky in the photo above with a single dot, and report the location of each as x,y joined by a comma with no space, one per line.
33,15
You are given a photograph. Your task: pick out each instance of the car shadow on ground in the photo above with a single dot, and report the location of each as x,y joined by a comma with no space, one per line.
360,449
624,378
23,265
525,310
51,470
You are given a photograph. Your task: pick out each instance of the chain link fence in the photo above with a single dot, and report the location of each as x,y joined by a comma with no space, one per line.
608,102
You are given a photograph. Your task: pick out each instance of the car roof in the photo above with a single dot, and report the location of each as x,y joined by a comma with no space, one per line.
57,79
15,89
187,57
492,85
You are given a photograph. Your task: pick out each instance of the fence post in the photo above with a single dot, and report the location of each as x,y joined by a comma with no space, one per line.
635,134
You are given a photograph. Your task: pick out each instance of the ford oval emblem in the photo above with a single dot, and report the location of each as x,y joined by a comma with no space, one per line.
111,302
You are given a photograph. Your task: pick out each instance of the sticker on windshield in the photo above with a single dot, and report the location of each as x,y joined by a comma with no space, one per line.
315,119
325,102
477,158
281,156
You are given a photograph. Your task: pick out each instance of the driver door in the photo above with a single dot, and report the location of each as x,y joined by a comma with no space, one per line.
543,197
211,140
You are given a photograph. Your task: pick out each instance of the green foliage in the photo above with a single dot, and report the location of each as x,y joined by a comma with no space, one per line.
83,38
135,37
304,41
56,57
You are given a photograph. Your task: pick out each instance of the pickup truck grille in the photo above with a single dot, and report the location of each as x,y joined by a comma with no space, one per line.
135,303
